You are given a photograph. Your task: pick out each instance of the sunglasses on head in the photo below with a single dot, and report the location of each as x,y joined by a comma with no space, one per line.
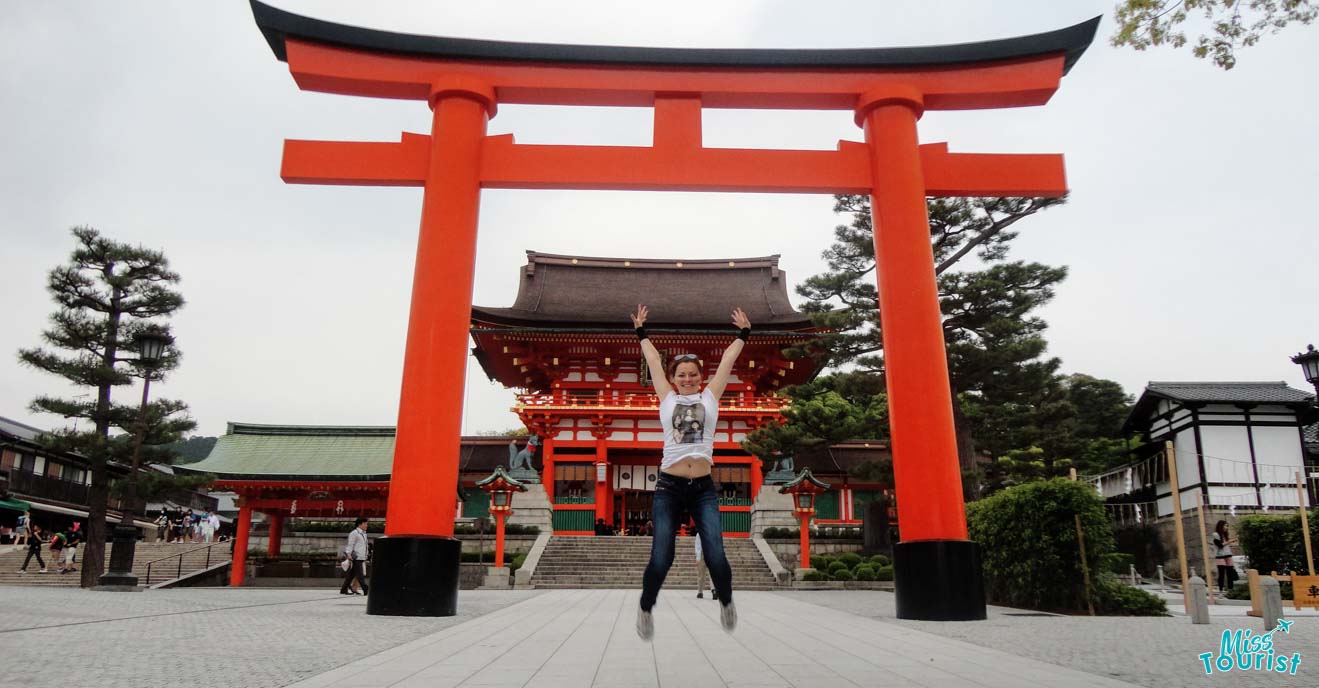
685,357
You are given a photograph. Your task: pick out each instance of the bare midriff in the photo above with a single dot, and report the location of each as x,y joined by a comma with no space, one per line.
690,467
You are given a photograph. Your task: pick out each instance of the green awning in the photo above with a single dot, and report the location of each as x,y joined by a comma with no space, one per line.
15,504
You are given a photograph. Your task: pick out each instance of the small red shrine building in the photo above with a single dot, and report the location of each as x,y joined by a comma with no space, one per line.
567,345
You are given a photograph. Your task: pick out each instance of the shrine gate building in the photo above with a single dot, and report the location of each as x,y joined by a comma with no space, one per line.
567,345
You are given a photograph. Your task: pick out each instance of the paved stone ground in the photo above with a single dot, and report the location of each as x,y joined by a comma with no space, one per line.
212,637
314,639
1159,652
586,638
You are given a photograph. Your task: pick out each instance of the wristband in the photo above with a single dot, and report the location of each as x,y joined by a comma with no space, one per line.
641,332
744,334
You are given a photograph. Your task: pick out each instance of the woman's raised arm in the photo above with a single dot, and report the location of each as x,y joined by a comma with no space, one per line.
653,360
720,379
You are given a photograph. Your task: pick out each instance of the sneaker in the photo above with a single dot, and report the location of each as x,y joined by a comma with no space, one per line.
714,594
43,570
728,617
700,595
22,572
645,624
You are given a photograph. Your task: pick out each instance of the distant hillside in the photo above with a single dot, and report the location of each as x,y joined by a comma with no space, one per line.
193,449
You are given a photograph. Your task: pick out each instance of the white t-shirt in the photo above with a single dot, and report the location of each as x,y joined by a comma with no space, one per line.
688,421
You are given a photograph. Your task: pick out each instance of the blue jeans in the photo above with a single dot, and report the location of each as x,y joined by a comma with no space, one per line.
675,496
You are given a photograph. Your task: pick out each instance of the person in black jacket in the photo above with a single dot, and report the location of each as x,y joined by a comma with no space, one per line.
36,536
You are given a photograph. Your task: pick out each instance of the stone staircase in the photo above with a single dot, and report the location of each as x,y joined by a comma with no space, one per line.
619,562
194,559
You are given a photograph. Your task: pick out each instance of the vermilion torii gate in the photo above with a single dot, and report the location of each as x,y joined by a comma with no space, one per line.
938,572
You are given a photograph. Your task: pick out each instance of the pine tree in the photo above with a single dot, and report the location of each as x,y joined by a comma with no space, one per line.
107,293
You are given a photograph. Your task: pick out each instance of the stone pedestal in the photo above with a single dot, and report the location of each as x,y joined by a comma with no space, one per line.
496,578
532,508
799,574
772,510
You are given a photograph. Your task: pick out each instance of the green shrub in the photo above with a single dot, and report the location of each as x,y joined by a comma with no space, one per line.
1119,564
852,559
843,575
836,567
1275,543
1027,536
880,560
518,561
821,562
884,573
1112,596
815,576
865,573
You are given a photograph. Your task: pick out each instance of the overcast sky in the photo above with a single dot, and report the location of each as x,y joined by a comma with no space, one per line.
1189,238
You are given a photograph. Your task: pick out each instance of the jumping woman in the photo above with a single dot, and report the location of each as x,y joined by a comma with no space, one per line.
688,415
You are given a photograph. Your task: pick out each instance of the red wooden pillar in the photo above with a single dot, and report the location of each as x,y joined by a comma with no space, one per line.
276,539
547,469
804,562
238,568
935,566
499,539
602,501
421,499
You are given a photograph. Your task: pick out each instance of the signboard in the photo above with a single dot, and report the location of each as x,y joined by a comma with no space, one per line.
1305,591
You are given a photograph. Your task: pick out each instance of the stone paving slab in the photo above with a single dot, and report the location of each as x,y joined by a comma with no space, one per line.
202,637
586,638
1158,652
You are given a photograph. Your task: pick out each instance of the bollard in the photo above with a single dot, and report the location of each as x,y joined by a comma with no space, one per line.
1199,600
1270,602
1162,587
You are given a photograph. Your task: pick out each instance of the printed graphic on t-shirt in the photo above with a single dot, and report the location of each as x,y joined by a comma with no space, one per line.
688,423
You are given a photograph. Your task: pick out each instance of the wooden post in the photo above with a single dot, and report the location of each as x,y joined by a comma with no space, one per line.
1305,524
1204,548
499,539
1085,568
1171,456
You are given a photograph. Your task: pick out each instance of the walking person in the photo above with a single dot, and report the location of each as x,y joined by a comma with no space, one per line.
702,571
22,528
1227,572
356,552
688,416
71,541
36,536
57,549
162,526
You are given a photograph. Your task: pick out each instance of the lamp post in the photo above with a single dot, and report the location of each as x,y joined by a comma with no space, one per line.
1309,362
151,348
803,489
501,487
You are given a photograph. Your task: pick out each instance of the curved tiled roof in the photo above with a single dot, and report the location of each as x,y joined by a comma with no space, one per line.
584,291
1262,392
320,452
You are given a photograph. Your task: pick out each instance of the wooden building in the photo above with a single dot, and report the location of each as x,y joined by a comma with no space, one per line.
567,345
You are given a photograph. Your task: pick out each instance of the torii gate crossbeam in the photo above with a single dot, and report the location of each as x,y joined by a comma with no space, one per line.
937,569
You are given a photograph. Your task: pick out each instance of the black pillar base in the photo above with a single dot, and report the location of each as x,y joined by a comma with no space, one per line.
414,575
939,580
120,575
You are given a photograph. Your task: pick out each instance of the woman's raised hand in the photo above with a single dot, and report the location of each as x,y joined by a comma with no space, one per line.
639,318
740,319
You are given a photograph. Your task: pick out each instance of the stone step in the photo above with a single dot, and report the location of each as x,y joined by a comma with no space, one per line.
620,562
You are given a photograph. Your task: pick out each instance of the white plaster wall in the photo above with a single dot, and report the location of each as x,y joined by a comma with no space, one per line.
1233,496
1188,469
1277,445
1227,454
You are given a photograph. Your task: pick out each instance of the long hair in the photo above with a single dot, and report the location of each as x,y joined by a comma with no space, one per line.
1221,529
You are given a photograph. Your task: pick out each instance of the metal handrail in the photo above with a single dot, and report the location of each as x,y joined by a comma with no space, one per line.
180,555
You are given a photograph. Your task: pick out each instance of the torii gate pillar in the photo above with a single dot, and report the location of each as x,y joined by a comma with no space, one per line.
937,569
